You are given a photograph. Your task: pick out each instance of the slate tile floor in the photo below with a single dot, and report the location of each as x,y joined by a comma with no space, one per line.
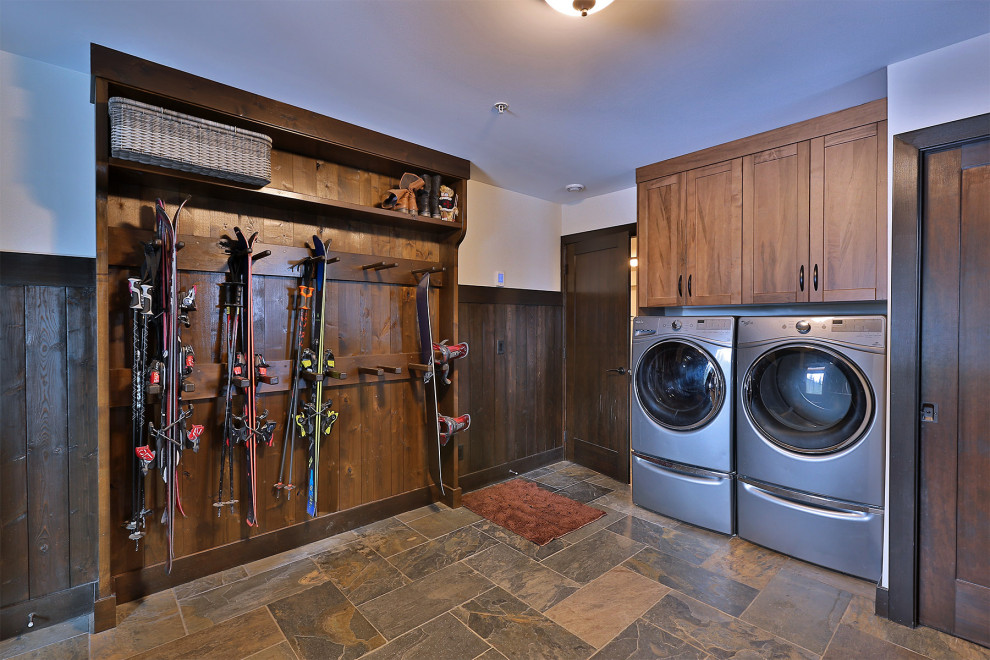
441,584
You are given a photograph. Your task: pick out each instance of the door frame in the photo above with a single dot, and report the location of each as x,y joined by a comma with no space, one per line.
568,239
899,602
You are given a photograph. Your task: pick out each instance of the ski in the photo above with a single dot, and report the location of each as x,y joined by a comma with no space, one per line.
168,374
316,418
304,295
246,367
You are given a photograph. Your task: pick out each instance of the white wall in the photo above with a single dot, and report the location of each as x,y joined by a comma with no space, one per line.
47,160
513,233
609,210
940,86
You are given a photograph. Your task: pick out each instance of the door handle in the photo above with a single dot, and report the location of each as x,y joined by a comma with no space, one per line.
801,277
680,278
814,277
689,286
622,371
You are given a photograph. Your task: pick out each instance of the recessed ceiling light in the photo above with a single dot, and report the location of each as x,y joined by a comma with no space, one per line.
574,187
579,7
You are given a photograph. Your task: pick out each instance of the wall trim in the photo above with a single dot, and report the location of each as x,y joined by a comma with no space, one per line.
49,610
489,295
25,269
151,579
903,506
481,478
567,239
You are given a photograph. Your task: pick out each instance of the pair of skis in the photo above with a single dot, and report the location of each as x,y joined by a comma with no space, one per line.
443,427
314,418
158,304
246,368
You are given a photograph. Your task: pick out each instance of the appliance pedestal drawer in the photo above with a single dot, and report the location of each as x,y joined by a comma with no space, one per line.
839,535
700,497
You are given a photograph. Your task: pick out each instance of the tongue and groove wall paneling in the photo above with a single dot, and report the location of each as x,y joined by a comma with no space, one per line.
48,445
327,177
515,397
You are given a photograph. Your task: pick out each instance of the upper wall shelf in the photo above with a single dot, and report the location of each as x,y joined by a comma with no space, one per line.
126,171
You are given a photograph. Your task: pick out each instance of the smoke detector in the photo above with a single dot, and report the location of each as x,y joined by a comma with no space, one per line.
501,107
574,187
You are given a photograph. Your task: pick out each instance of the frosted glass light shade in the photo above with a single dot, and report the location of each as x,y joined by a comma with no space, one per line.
567,6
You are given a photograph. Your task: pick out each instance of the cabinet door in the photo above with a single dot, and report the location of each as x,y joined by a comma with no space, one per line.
713,236
775,225
660,231
849,215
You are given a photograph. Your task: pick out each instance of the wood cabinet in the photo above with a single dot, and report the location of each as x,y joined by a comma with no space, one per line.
662,211
793,215
691,233
848,212
775,225
713,235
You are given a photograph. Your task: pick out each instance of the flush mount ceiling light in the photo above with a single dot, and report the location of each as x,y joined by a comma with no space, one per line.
574,187
579,7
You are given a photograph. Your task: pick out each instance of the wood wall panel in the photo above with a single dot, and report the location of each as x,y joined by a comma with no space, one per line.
48,471
47,451
14,571
516,398
377,448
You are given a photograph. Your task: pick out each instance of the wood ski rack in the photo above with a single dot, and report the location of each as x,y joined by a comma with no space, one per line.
327,178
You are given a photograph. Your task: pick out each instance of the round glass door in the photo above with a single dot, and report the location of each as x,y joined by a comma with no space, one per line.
679,385
808,399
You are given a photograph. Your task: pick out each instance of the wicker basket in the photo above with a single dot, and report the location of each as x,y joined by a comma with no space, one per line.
156,136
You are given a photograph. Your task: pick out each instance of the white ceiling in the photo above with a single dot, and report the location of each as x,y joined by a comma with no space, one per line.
590,98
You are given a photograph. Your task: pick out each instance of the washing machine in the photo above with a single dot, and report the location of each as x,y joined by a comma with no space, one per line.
681,418
810,438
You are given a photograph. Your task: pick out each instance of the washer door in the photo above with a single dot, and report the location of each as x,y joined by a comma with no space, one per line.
679,385
808,399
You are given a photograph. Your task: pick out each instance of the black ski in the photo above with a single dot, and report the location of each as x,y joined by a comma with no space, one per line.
246,368
168,373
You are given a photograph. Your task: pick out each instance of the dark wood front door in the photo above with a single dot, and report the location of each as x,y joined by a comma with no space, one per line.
596,309
954,562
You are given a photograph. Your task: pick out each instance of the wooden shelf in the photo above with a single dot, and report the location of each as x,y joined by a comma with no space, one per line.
126,171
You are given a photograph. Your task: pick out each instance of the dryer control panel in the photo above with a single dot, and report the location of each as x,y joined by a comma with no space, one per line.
867,331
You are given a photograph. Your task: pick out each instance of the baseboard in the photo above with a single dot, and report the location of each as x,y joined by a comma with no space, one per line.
152,579
105,614
48,610
481,478
882,602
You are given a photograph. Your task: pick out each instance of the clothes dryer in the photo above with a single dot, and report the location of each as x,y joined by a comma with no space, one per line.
681,418
810,438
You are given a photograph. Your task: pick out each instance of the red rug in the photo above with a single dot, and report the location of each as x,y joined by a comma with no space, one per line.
530,511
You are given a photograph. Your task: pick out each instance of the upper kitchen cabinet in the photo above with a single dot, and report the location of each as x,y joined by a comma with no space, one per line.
797,214
848,214
775,225
713,234
662,213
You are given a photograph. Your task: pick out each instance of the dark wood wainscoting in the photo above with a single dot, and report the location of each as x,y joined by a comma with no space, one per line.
48,471
512,381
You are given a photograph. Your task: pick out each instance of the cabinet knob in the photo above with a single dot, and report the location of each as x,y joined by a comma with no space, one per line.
801,278
680,278
814,277
689,286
